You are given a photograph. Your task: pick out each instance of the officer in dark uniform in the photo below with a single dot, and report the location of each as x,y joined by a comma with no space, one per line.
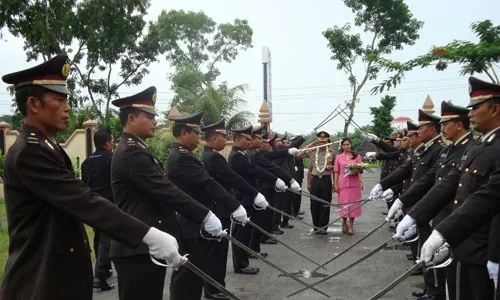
216,165
96,173
141,188
473,189
49,253
241,164
455,128
429,134
187,172
296,142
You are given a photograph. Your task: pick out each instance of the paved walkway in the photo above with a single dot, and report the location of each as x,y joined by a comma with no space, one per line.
358,283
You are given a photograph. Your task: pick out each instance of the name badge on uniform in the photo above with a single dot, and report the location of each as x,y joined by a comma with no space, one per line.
444,155
462,162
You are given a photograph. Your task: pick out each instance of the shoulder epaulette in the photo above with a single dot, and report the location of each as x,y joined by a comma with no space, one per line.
491,138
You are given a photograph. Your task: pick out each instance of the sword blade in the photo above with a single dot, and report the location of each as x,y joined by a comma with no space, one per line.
336,220
397,281
282,243
210,280
315,198
351,246
290,216
248,250
359,260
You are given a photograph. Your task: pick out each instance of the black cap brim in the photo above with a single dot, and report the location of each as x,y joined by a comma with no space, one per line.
474,103
148,110
61,89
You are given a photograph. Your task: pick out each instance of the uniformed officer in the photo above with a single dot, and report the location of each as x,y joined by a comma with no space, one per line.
96,173
455,128
296,142
188,173
49,254
216,165
473,189
240,163
141,188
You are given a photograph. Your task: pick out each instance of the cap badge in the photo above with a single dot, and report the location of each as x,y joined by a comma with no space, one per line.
65,69
154,98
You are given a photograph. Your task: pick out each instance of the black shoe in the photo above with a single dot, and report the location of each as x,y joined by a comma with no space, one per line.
270,241
103,285
410,257
299,217
290,226
417,272
323,232
301,212
218,296
384,213
426,297
419,293
263,254
109,274
277,231
248,271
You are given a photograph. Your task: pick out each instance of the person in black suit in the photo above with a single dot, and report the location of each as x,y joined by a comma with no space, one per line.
216,165
141,188
49,252
190,175
241,164
96,173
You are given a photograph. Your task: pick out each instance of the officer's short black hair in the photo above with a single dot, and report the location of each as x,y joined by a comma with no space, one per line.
177,129
436,126
209,135
101,137
464,120
24,93
124,112
493,101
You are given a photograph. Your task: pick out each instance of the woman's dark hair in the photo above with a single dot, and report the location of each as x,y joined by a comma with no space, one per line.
346,139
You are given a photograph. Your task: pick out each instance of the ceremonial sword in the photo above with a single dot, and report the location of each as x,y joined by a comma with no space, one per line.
282,243
350,247
202,275
343,216
290,216
361,259
248,250
302,193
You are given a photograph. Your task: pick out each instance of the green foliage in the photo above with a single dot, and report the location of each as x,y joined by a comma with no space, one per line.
161,144
2,162
391,26
4,246
382,116
473,58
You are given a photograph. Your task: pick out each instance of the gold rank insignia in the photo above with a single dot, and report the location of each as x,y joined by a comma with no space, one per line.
65,69
49,144
465,141
491,137
154,98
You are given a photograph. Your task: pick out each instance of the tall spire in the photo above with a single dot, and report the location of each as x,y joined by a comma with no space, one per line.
428,106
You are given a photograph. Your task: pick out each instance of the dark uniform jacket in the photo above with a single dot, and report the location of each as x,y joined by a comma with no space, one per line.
96,173
449,159
49,255
416,167
241,164
285,162
189,174
141,188
216,165
475,182
258,158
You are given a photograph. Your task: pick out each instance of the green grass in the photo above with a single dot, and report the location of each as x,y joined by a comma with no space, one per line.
4,247
3,213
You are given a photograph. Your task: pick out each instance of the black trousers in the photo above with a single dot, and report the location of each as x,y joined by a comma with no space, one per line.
217,260
139,278
271,198
103,262
283,202
475,282
242,234
259,218
451,280
97,234
322,188
185,284
434,280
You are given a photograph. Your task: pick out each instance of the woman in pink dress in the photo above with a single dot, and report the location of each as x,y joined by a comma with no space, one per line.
347,186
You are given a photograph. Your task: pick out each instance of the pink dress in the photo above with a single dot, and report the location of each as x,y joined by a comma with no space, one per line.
349,186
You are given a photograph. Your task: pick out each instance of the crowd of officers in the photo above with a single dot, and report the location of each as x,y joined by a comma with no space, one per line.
445,180
145,216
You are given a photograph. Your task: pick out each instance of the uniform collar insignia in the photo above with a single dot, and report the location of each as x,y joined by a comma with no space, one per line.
49,144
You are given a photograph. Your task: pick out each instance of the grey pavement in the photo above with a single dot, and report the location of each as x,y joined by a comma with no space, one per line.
358,283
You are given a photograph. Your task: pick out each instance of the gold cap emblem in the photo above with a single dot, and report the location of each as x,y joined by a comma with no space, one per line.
65,69
154,98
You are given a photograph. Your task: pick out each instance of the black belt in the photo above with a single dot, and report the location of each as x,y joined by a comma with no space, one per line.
321,176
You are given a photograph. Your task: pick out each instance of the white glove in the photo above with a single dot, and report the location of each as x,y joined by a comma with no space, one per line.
280,185
296,169
396,206
213,225
240,214
430,249
293,151
371,155
493,270
163,246
294,185
406,229
370,137
376,192
260,201
388,194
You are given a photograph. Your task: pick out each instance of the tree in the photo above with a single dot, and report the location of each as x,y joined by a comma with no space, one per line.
391,26
480,57
102,38
382,117
195,44
217,103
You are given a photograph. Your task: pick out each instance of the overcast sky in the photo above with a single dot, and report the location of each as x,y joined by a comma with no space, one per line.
306,84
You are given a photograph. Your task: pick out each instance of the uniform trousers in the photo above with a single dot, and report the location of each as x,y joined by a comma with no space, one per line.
103,262
297,199
322,188
259,218
434,283
186,285
451,279
242,234
139,278
283,202
217,260
271,198
475,282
